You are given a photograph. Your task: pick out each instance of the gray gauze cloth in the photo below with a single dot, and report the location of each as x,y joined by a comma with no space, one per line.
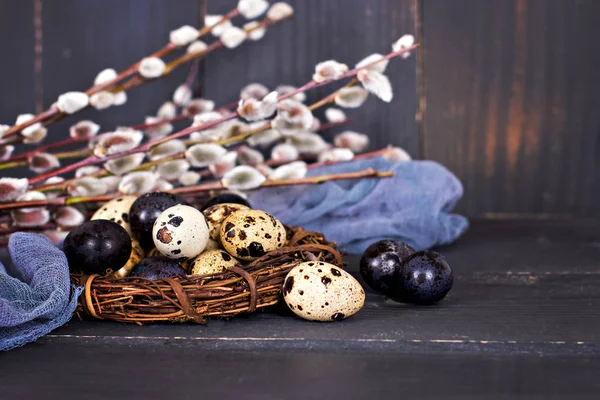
37,296
414,206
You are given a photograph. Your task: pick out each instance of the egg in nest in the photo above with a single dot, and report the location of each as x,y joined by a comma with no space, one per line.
319,291
215,215
116,210
180,232
249,234
212,262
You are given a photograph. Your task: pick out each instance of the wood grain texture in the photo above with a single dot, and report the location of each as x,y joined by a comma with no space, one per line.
17,72
521,321
510,93
167,371
343,30
80,38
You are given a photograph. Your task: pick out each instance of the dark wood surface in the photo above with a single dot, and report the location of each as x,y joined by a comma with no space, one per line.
510,88
521,321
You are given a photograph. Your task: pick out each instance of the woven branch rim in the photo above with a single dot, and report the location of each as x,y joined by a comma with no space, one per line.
242,289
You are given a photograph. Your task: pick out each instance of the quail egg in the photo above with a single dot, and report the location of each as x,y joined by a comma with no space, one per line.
158,268
180,232
212,262
216,214
95,247
184,263
249,234
137,254
117,210
319,291
144,212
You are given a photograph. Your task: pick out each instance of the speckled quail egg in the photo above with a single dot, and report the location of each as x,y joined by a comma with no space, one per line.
212,262
319,291
137,254
216,214
180,232
249,234
117,210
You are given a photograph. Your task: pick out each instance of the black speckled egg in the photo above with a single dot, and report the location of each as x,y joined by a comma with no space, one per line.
145,210
96,246
157,268
380,261
424,278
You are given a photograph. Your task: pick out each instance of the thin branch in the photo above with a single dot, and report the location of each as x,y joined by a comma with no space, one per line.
216,185
185,132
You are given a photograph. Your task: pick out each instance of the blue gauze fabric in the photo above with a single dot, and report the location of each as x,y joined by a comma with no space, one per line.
414,206
42,298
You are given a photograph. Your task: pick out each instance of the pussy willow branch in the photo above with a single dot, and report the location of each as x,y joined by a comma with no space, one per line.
216,185
61,156
132,70
93,160
139,80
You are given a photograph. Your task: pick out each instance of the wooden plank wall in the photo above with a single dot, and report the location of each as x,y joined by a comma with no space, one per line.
502,93
511,99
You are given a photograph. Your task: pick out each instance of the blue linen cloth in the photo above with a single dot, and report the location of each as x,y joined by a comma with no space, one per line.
37,297
414,206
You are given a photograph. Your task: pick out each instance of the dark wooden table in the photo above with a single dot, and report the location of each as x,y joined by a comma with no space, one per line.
522,321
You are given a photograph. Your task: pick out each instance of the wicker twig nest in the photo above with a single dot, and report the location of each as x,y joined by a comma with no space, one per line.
242,289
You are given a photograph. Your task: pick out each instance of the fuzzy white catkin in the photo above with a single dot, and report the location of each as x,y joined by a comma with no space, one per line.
233,37
293,170
122,165
138,182
167,149
196,47
30,130
151,67
243,177
376,83
335,115
189,178
119,98
336,154
204,154
105,76
351,97
403,43
329,70
3,129
167,111
184,35
85,128
43,162
71,102
102,100
211,20
255,30
252,8
86,171
182,95
354,141
6,151
379,66
279,11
